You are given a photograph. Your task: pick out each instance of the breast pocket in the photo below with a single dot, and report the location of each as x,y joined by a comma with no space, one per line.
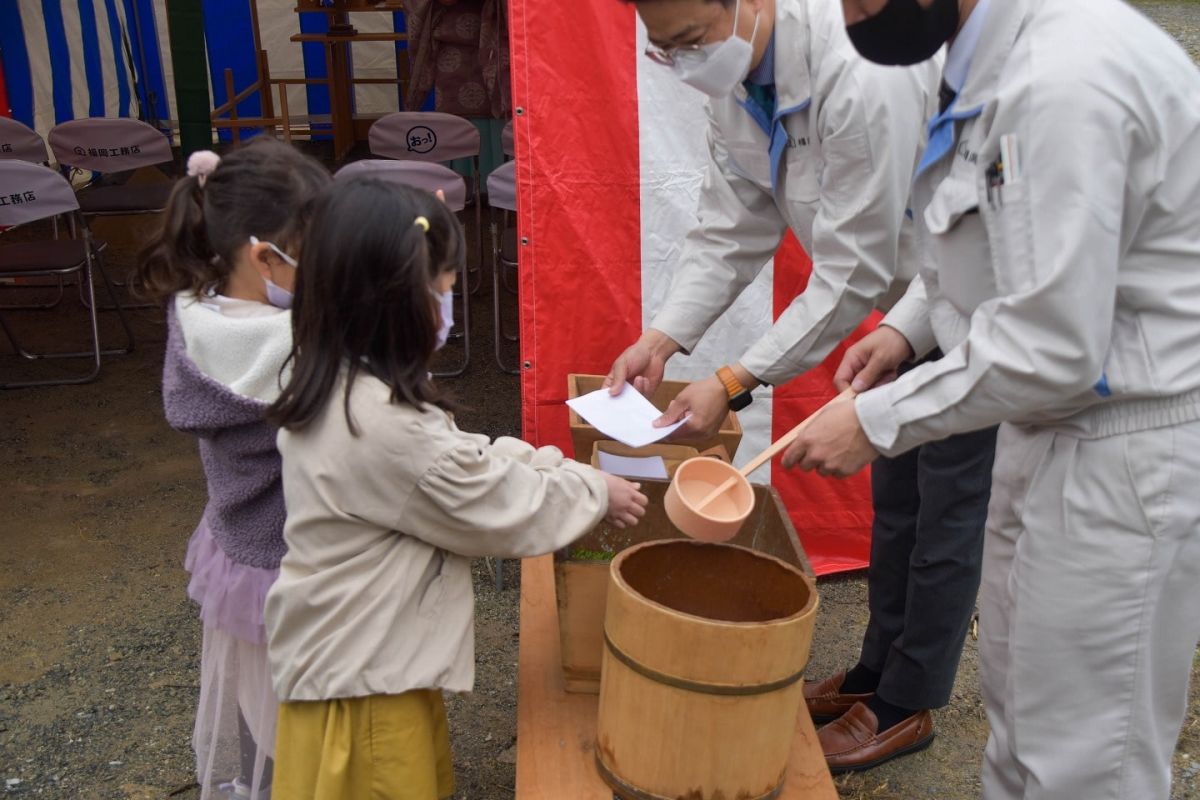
1010,231
959,244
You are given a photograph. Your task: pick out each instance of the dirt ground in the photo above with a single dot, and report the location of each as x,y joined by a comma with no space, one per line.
99,645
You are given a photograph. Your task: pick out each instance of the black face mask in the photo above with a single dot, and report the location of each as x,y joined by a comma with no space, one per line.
904,33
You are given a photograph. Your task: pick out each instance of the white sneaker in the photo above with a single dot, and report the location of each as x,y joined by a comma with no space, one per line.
238,789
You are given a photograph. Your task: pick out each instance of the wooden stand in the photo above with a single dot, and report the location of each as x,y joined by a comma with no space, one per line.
556,730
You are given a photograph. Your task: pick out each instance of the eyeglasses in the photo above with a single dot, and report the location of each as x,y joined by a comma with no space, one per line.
666,56
291,262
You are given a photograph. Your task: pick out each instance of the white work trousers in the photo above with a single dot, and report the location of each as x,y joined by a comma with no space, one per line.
1089,611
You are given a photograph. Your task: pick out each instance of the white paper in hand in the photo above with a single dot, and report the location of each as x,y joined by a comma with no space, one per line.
651,468
628,417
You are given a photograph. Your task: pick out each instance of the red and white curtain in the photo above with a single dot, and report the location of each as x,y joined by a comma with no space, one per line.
610,155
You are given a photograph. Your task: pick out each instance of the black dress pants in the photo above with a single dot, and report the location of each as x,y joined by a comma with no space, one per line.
926,552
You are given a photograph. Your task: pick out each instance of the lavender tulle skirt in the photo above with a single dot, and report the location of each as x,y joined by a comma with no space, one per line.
234,737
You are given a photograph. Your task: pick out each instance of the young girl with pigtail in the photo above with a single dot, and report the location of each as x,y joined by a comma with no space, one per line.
224,264
372,616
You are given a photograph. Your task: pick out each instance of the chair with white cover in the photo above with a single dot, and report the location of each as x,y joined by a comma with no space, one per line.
111,146
435,137
34,192
21,143
502,194
430,177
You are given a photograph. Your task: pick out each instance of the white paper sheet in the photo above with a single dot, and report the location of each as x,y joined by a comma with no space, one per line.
628,417
649,467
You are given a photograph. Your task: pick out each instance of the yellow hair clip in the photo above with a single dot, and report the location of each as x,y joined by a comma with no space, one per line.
422,223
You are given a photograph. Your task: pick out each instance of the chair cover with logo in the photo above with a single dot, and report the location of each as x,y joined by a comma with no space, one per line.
417,174
423,136
109,145
20,143
31,192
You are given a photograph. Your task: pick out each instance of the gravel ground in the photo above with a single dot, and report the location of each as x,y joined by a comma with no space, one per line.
99,646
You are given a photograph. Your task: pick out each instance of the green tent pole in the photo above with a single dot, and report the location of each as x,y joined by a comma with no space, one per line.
185,24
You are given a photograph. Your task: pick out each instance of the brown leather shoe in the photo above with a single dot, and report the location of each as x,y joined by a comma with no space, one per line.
826,702
854,742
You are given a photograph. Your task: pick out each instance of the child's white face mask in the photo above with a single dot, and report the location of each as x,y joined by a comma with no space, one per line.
446,304
276,294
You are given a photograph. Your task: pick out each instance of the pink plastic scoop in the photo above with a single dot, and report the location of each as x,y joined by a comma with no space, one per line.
709,500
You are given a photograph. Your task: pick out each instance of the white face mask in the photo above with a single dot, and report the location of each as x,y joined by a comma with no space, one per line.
717,68
276,294
446,303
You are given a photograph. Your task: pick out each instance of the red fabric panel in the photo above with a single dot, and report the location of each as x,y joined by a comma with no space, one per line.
832,517
575,105
4,110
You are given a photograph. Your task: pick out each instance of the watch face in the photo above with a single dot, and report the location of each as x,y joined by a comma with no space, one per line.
740,401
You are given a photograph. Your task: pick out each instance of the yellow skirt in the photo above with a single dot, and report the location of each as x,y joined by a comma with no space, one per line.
381,747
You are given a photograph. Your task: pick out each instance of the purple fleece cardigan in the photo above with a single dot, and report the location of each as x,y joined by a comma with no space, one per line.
245,509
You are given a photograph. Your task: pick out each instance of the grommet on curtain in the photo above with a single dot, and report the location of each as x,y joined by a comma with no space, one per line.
520,111
524,240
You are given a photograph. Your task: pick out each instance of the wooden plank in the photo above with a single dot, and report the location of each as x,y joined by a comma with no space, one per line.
325,38
555,730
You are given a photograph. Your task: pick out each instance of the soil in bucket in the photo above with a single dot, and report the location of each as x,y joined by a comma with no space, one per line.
715,582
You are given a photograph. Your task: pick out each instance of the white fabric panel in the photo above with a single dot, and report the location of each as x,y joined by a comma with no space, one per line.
108,68
672,126
278,23
164,49
39,65
375,60
130,69
80,93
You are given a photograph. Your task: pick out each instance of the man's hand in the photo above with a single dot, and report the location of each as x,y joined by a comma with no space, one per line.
834,444
642,363
873,360
708,404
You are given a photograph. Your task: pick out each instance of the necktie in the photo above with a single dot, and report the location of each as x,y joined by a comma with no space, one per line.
946,96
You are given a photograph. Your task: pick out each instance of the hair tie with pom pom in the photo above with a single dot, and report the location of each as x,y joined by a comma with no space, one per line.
201,164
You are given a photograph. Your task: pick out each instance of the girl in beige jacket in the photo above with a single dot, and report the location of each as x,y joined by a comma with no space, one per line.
387,500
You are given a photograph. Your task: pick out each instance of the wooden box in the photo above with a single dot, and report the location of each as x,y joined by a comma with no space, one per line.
581,572
584,436
672,454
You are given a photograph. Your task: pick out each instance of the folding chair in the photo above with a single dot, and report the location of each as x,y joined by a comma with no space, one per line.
502,194
20,143
431,178
507,143
432,136
111,147
437,137
33,192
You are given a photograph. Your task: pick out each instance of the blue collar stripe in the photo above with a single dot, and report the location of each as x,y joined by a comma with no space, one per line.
941,135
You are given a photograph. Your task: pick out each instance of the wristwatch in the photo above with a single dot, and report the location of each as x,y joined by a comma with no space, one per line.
739,396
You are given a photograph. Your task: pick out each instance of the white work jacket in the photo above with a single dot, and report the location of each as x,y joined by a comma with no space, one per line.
1069,296
835,167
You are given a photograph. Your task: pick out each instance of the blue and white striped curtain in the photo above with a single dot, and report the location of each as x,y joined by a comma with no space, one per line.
68,59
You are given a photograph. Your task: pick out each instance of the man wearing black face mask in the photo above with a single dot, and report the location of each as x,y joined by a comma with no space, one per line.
1058,210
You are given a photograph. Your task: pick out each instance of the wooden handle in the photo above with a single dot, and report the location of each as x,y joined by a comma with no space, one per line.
784,441
766,455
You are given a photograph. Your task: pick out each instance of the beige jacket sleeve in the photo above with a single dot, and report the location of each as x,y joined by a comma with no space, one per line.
507,500
1043,342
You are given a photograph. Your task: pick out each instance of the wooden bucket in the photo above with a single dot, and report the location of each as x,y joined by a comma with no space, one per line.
705,648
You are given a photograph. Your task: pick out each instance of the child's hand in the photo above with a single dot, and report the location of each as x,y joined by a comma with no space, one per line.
626,504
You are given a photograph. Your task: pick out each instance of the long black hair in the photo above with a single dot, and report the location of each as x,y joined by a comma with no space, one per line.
265,188
363,297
